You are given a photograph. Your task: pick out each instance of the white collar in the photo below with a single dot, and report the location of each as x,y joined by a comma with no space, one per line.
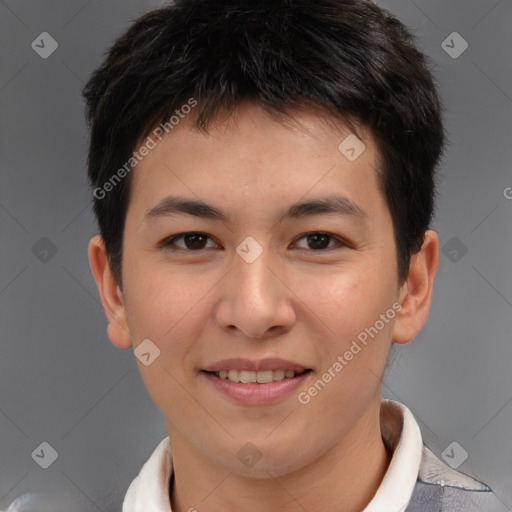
400,433
149,491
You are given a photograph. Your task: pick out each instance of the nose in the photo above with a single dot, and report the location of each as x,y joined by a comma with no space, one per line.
255,301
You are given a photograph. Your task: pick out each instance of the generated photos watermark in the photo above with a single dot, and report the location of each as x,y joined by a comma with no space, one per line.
150,143
304,397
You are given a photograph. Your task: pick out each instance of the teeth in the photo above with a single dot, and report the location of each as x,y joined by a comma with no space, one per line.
278,374
261,377
264,376
246,377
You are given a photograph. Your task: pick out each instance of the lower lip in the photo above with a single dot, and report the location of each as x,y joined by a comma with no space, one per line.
254,394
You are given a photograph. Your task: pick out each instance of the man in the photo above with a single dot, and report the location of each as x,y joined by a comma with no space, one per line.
263,175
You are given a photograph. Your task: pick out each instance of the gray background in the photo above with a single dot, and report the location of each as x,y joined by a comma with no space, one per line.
63,382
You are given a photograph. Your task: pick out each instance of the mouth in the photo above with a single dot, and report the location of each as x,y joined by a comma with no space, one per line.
257,377
256,387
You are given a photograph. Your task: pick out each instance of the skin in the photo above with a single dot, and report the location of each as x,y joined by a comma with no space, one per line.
292,302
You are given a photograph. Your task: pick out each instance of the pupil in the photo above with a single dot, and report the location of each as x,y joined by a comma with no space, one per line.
318,241
194,241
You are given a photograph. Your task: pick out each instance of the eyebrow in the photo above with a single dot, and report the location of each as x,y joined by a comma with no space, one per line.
331,205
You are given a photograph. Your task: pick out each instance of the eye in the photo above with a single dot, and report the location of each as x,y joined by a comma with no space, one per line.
192,241
196,241
318,241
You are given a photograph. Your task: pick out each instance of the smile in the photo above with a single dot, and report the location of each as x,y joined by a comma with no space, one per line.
251,388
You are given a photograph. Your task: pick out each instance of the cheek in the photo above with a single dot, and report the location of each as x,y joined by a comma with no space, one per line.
162,304
350,303
346,301
355,348
166,308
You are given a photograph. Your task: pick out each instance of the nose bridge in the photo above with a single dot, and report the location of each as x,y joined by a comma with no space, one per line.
254,282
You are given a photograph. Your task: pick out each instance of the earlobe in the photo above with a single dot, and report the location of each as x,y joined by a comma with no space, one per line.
110,293
416,292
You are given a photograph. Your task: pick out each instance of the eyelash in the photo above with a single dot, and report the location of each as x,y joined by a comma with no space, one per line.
168,242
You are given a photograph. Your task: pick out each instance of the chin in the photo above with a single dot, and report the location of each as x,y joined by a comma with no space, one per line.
265,458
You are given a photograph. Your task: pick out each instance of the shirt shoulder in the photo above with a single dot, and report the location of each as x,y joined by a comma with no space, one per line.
440,488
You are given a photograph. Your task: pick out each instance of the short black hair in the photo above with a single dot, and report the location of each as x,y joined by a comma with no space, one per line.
351,58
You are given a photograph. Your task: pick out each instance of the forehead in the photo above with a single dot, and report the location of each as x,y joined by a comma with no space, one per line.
251,125
252,155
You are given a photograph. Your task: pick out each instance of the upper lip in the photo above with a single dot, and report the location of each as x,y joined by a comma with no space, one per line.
255,365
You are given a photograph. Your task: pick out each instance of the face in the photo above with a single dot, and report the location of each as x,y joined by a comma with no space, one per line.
288,262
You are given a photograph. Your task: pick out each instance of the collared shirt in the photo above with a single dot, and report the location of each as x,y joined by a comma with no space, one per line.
415,481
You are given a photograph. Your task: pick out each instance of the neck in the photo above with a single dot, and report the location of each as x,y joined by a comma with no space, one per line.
345,478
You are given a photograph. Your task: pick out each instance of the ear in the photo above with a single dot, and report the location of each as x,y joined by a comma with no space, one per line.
416,292
111,295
